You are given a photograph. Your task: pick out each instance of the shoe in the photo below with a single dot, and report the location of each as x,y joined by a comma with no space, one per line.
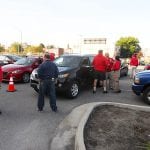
54,109
94,91
119,91
39,110
105,92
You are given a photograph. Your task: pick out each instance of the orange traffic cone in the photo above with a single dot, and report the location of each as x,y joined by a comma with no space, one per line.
11,87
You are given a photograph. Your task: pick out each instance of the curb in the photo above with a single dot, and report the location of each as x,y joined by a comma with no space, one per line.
79,137
69,135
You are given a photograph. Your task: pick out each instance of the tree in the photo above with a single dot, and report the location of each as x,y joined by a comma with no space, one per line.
128,46
15,48
2,49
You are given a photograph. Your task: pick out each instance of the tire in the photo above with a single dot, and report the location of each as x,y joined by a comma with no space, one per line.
26,78
146,95
126,72
73,90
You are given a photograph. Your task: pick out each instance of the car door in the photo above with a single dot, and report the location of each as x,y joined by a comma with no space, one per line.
86,71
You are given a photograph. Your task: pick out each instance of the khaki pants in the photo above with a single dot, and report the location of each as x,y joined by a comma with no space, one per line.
116,76
109,79
133,71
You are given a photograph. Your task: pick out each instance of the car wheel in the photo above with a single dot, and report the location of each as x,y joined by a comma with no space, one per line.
26,78
73,90
126,72
146,95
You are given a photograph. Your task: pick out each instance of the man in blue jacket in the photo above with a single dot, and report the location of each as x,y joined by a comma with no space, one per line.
47,73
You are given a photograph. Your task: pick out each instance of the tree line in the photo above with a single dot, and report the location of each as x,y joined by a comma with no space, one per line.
125,47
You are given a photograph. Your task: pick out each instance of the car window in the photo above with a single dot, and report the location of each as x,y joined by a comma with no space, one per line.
2,57
25,61
85,62
67,61
91,59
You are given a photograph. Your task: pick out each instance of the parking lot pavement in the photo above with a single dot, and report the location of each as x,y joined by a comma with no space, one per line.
23,128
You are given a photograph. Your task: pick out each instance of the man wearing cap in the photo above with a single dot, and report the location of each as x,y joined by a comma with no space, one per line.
47,73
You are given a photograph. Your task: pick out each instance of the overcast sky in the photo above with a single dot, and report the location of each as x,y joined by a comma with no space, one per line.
61,21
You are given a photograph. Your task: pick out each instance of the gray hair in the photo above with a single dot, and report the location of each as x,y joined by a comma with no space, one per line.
47,55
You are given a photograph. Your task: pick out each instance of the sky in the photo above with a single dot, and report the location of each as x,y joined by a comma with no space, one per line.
61,22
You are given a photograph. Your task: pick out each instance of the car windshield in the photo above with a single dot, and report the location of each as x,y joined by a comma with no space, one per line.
15,58
67,61
24,61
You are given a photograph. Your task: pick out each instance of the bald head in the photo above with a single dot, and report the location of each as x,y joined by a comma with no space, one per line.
100,51
106,54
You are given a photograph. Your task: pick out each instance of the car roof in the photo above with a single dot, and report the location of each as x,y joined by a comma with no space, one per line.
77,54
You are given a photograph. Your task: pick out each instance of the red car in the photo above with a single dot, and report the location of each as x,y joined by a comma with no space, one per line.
21,69
147,67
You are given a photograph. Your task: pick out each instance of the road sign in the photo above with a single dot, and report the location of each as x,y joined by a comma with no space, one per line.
95,41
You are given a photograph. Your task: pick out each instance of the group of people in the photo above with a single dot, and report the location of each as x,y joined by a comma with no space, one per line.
106,72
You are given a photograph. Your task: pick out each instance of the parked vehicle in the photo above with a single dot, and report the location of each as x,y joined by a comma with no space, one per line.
75,71
141,85
8,59
124,69
21,69
147,67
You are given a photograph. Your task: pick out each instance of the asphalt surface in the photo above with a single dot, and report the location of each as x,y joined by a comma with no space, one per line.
23,128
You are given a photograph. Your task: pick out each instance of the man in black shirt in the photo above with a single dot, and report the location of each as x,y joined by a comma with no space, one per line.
47,73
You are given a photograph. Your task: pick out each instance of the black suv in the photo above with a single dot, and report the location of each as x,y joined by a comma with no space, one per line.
75,71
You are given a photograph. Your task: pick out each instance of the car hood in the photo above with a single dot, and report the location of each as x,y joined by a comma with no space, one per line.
61,69
144,73
12,67
65,69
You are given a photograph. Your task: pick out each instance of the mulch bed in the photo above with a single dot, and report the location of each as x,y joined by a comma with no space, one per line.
116,128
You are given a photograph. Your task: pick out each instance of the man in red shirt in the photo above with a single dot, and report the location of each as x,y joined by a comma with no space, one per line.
133,63
100,64
109,79
116,74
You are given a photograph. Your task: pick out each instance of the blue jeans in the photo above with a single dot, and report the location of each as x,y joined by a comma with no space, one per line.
47,87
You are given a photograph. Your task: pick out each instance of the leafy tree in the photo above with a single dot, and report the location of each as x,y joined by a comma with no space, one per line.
128,46
2,49
15,48
34,49
42,45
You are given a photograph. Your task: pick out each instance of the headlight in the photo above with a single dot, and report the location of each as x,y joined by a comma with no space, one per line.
63,75
136,80
16,71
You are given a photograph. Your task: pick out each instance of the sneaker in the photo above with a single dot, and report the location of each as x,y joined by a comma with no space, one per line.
105,92
54,109
39,110
119,91
94,91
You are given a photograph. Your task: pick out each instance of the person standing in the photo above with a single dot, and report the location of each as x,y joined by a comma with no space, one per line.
1,77
47,73
116,74
133,63
100,64
109,78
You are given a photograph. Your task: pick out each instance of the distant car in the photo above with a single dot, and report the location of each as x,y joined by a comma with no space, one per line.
147,67
124,69
141,85
75,71
8,59
21,69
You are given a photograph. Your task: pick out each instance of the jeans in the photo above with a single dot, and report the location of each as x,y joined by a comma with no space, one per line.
47,87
